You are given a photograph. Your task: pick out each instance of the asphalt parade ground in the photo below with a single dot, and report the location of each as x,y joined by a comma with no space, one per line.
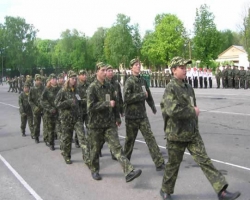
32,171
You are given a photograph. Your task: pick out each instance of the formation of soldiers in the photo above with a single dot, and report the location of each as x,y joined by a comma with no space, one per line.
68,104
232,77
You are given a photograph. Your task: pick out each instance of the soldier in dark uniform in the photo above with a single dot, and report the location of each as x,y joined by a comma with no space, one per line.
180,114
168,76
10,81
247,78
229,76
152,79
103,122
136,92
224,75
236,77
25,110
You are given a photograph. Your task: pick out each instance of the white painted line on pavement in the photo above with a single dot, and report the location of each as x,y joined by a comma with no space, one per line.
22,181
218,161
9,105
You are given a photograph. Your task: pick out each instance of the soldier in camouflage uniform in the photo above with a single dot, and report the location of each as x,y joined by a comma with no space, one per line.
223,76
25,111
29,80
242,77
136,92
82,87
34,100
10,81
68,104
180,114
247,78
50,112
236,77
152,79
218,76
20,83
103,121
156,79
230,76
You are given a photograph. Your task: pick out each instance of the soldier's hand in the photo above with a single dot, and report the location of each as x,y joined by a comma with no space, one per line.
118,124
146,93
154,110
112,103
197,111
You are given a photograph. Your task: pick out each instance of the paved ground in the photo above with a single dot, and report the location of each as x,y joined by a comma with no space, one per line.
32,171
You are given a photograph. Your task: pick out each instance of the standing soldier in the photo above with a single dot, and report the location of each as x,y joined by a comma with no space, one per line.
156,79
25,111
60,80
242,77
152,79
67,102
247,78
160,78
15,84
50,112
103,121
223,76
218,75
195,77
168,76
201,77
20,83
136,92
230,76
189,76
180,114
236,77
205,77
210,76
34,101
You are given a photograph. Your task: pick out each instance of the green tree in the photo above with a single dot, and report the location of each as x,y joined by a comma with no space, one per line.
227,40
207,37
20,48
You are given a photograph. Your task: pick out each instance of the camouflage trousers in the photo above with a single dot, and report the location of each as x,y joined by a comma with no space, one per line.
37,123
197,150
24,120
49,130
67,128
132,128
110,135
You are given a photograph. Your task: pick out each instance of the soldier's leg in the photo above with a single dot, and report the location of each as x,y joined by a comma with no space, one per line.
65,140
95,136
111,136
45,129
199,154
151,142
175,155
132,128
30,123
23,124
37,123
51,132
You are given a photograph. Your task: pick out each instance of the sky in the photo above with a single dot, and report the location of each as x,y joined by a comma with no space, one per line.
52,17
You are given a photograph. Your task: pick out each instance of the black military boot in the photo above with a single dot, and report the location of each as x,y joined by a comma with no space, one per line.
77,144
165,196
225,195
132,175
96,176
52,147
37,140
23,134
161,167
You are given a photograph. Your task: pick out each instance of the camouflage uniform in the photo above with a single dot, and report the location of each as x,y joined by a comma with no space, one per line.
236,77
152,79
247,77
224,75
70,118
10,81
102,125
50,113
242,77
181,128
34,100
218,77
26,113
136,118
230,77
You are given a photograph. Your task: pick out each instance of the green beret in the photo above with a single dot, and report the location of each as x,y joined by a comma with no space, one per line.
178,61
71,73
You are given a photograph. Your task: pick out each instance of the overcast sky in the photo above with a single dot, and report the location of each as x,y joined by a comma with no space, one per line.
51,17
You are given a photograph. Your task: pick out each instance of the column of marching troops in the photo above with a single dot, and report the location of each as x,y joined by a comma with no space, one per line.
67,104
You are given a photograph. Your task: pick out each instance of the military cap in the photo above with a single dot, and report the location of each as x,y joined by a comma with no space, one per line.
109,67
178,61
99,65
26,84
241,67
82,72
71,73
61,75
51,76
38,76
27,76
133,61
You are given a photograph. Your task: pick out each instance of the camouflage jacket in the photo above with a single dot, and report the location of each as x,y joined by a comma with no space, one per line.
68,105
24,106
242,73
35,97
100,114
48,100
177,105
82,88
118,93
134,98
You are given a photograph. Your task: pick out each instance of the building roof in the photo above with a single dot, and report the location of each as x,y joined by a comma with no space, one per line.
240,48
